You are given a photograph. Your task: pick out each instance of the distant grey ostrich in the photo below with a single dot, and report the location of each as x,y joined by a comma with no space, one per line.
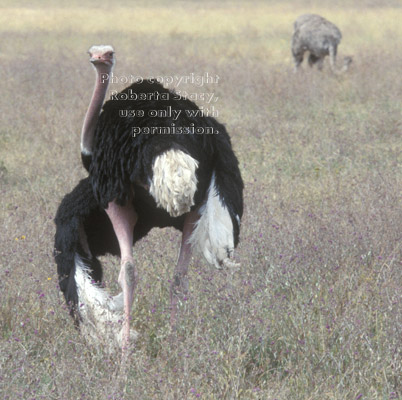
177,169
320,38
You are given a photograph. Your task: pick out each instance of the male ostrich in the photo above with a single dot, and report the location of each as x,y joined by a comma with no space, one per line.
177,169
320,38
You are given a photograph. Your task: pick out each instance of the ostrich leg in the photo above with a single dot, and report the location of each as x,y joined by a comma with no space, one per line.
179,286
320,63
332,57
123,219
298,59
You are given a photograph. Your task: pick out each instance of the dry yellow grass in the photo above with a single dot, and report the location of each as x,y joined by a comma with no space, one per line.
268,24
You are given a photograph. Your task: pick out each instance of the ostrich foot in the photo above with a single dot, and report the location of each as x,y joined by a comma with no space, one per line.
133,337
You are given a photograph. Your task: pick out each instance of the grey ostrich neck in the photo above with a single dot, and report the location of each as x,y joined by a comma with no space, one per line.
95,106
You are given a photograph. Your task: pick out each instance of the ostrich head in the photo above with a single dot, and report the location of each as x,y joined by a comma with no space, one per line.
102,57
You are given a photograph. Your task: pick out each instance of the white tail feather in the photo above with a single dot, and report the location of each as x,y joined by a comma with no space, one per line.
213,234
101,314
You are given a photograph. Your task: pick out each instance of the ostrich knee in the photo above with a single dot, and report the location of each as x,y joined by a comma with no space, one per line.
128,279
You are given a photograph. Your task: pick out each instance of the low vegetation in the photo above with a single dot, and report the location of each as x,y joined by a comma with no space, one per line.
314,311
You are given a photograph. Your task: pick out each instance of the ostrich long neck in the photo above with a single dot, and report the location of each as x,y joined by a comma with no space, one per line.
95,106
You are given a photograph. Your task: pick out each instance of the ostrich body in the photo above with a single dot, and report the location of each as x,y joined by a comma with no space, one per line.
175,170
320,38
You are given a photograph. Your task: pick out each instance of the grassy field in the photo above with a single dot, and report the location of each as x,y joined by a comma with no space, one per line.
315,311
